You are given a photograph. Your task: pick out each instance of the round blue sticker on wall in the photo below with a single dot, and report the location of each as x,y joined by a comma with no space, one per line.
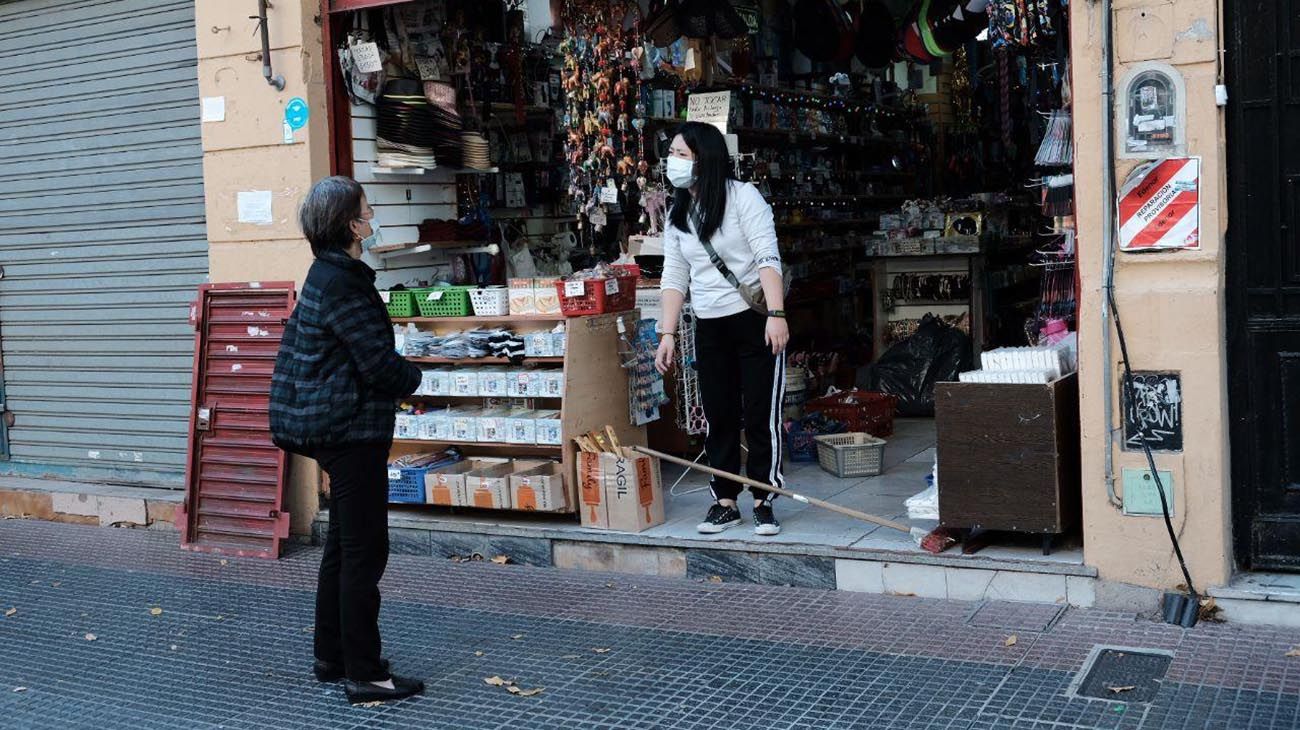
296,113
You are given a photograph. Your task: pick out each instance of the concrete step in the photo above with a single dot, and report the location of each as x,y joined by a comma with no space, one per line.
88,504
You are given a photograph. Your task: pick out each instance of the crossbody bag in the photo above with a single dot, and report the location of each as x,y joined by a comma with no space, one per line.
752,294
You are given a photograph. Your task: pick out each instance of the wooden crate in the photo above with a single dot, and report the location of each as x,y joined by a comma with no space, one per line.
1009,456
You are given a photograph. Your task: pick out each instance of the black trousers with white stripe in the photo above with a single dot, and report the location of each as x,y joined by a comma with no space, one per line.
742,384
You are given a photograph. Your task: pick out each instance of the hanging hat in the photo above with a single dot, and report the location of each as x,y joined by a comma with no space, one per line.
819,25
876,36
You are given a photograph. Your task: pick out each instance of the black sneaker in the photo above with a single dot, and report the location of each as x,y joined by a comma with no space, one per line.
719,518
764,521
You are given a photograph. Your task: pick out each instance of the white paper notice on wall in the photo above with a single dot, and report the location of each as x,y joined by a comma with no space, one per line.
609,194
214,108
711,108
255,207
366,56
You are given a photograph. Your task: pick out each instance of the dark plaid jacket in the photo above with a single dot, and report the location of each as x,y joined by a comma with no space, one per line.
338,373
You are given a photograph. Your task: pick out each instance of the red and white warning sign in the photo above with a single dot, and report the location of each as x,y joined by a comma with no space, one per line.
1160,206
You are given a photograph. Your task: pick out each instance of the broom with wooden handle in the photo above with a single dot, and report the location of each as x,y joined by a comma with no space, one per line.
913,531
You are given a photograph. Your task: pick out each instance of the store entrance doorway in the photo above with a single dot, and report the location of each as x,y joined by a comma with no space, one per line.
1264,281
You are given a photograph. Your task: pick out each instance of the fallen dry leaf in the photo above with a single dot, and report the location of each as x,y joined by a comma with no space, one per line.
517,637
11,612
173,647
609,585
155,611
91,637
478,653
56,584
20,689
1125,688
601,651
1012,640
715,579
376,703
525,692
309,630
1294,652
501,559
496,681
225,562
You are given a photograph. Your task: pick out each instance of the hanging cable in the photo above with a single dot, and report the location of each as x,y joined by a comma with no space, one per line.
1130,397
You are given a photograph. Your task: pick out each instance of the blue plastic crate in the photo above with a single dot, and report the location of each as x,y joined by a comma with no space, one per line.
406,484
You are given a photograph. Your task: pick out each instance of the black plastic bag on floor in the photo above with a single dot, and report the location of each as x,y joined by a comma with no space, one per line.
937,353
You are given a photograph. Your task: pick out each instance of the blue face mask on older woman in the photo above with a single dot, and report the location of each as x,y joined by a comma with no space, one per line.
373,239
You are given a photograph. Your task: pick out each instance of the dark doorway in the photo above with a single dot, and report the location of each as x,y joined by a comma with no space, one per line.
1263,45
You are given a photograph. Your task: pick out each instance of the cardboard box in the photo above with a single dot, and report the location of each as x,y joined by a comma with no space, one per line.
540,489
489,488
620,494
448,486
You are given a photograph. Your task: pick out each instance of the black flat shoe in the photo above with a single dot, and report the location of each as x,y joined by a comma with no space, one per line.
360,693
331,672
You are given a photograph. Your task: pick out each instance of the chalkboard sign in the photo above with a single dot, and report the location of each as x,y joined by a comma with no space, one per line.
1155,414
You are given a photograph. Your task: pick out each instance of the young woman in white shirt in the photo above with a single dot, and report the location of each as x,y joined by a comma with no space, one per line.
740,352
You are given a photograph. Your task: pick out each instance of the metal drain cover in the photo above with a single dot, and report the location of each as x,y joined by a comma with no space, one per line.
1124,675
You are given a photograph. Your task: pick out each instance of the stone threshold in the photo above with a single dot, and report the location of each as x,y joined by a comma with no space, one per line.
87,503
920,574
1260,598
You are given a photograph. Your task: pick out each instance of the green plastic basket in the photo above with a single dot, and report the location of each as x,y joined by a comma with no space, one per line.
400,303
443,301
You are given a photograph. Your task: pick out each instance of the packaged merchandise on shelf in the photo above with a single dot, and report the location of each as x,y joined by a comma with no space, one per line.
464,383
521,426
524,384
550,431
552,383
545,297
523,297
464,423
493,382
492,426
598,290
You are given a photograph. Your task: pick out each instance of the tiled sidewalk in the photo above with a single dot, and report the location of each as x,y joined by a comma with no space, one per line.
232,646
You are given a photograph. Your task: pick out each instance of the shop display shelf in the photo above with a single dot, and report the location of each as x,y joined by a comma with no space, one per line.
483,360
508,319
482,445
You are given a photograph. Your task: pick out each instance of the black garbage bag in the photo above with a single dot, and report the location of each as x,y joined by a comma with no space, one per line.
937,353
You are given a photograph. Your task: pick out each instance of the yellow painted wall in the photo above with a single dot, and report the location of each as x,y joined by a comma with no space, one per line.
1172,304
247,152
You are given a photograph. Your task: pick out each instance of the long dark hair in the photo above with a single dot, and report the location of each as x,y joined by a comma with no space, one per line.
712,173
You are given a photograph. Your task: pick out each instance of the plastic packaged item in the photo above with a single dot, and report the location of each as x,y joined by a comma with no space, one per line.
464,382
493,382
549,429
539,344
464,424
493,426
523,298
559,341
522,426
552,383
522,384
407,426
436,426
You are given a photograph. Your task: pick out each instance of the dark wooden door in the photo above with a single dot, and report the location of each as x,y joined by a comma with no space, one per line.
1264,279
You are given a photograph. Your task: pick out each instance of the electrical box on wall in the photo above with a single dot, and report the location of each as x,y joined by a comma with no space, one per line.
1140,496
1152,117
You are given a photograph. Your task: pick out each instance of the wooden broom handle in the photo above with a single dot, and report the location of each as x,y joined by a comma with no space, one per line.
776,490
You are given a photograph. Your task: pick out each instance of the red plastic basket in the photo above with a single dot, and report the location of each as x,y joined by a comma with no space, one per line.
599,296
859,410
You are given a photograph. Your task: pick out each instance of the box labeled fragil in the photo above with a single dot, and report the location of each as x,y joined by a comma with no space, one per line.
540,489
620,493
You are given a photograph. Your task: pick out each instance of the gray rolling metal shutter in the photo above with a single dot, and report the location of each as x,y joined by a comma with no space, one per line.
102,236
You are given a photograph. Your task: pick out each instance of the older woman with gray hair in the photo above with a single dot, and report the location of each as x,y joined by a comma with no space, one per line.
333,398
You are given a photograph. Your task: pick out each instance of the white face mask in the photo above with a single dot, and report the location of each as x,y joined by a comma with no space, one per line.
373,239
681,173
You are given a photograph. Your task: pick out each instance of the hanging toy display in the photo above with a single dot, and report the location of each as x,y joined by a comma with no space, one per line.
1023,23
603,116
939,27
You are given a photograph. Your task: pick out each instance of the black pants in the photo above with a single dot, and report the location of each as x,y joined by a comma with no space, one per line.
742,384
356,553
